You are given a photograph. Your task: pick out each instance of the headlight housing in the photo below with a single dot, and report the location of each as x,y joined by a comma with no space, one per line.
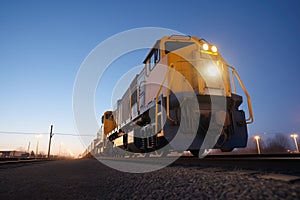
205,47
214,49
208,48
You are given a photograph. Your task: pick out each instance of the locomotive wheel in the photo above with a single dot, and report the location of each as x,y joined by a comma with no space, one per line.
196,153
227,149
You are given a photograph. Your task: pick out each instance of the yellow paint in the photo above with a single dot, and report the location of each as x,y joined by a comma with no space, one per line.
109,122
193,63
160,134
188,61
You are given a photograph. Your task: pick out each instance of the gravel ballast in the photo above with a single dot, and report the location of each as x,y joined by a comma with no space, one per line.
89,179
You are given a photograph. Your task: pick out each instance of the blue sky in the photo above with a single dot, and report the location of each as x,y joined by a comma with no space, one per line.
43,43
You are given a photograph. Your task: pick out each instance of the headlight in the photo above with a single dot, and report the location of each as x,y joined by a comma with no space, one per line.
212,71
214,49
205,46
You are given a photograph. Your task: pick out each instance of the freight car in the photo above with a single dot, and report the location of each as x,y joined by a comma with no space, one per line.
181,88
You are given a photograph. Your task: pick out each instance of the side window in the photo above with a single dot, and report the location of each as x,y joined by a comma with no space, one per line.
152,63
154,59
157,56
109,116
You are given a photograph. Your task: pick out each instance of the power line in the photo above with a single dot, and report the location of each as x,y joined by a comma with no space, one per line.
22,133
74,134
36,133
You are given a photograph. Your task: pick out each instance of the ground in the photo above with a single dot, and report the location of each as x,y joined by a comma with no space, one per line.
89,179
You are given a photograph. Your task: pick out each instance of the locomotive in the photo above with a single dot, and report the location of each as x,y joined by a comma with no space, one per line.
185,86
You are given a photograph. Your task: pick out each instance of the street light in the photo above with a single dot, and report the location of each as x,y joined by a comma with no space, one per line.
37,144
257,143
295,140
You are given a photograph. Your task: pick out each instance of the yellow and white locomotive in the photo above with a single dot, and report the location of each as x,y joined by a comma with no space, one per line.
181,88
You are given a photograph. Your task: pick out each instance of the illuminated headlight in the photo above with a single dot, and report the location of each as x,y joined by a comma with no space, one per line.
205,47
214,49
212,71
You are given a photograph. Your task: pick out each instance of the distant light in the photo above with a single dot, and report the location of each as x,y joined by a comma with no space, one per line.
205,46
294,135
212,71
214,49
257,143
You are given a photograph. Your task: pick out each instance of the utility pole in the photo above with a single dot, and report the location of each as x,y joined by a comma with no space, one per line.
51,134
28,147
37,146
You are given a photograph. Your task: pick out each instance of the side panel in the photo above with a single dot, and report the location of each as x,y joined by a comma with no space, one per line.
134,98
141,89
155,79
118,113
125,107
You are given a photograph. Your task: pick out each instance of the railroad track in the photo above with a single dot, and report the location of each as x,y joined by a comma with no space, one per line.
277,163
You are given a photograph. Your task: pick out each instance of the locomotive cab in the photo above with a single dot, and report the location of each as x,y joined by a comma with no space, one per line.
108,122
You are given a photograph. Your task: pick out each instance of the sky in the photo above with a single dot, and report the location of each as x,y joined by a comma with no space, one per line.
43,44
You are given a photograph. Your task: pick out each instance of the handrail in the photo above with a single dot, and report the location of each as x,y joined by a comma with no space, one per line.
233,83
168,106
138,95
168,95
234,72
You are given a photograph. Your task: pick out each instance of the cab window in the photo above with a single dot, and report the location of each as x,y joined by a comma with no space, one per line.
173,46
154,59
109,116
